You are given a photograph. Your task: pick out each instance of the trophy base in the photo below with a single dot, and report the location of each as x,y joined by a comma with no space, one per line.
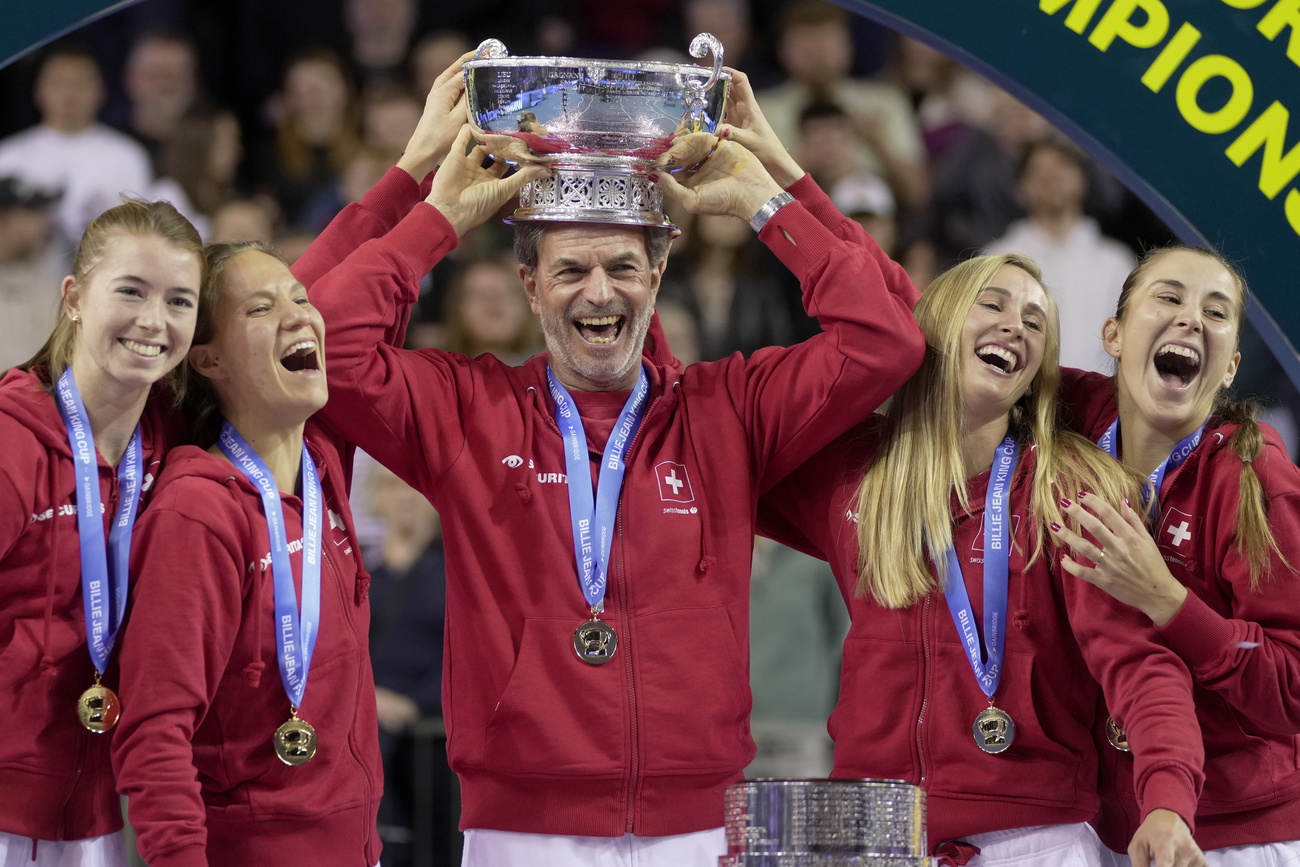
594,188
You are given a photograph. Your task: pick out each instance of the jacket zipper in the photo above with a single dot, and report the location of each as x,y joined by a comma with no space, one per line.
925,684
344,603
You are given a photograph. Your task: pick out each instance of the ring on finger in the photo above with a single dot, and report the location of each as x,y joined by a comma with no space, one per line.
1101,555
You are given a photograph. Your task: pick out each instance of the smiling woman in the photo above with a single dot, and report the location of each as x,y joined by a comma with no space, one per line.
1210,558
85,424
259,526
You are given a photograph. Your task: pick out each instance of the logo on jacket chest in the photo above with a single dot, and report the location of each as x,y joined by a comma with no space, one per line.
996,534
336,535
1177,536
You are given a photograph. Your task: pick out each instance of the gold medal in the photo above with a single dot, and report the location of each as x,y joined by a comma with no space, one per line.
595,642
1117,736
994,730
98,708
295,741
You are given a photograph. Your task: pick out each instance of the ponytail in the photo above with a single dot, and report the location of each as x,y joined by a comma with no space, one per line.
1255,541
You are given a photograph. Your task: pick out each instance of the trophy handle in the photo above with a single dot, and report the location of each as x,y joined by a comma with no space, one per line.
700,46
493,48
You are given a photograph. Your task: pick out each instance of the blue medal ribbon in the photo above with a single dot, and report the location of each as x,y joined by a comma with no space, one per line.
986,662
1109,443
593,517
296,628
104,578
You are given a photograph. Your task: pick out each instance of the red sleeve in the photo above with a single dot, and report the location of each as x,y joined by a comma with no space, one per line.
386,400
1251,656
1086,401
378,211
186,595
798,399
1149,693
808,193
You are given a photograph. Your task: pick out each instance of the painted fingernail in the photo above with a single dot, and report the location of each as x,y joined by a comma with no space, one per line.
654,178
1056,528
1127,503
1065,504
726,133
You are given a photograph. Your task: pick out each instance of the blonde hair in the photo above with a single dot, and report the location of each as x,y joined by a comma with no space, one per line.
132,217
1255,541
904,500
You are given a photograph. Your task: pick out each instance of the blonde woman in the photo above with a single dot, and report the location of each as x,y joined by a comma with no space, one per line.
1210,561
973,665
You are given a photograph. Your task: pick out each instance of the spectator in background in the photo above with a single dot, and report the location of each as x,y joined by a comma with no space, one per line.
815,48
1084,268
866,198
827,143
487,311
948,98
432,54
29,274
389,114
380,32
732,22
361,173
316,132
70,151
203,157
161,81
244,220
407,602
730,284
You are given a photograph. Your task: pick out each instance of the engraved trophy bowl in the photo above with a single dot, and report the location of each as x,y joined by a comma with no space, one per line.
828,823
601,124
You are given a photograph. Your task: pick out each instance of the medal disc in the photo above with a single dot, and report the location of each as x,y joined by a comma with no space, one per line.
1117,736
98,709
595,642
295,742
994,730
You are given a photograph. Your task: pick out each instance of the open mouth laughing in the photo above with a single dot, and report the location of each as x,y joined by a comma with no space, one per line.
599,329
1177,365
301,357
999,358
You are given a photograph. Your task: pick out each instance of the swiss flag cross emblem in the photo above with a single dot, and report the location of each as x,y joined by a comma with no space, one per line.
674,483
1177,530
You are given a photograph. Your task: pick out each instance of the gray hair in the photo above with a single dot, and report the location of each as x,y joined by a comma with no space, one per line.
528,236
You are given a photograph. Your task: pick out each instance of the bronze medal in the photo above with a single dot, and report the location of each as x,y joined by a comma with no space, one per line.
994,730
1117,736
295,741
98,708
595,642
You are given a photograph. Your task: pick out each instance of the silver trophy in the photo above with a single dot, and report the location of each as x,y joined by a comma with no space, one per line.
602,124
827,823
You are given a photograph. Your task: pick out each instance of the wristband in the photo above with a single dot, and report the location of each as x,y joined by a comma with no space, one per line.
770,207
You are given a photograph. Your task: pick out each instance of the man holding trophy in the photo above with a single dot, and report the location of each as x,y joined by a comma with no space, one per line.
598,501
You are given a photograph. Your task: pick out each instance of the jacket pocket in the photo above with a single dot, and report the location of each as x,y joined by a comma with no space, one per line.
874,723
559,715
694,696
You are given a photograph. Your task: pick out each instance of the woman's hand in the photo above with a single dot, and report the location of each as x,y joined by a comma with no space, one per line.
466,193
1126,562
730,181
1164,840
746,124
444,115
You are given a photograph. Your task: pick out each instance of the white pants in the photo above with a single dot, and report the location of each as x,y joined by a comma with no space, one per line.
509,849
1259,855
1045,846
105,851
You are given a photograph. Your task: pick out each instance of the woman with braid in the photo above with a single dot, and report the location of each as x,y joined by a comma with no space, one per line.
1209,558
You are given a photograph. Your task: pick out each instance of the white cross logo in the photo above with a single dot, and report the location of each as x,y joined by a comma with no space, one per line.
1180,533
676,483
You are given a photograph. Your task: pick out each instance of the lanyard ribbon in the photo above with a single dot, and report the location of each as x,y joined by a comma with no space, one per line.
593,517
297,628
1109,443
986,662
103,571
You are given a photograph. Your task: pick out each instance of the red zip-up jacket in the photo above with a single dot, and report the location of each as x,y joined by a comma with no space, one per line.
646,744
1242,646
55,778
201,688
908,697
